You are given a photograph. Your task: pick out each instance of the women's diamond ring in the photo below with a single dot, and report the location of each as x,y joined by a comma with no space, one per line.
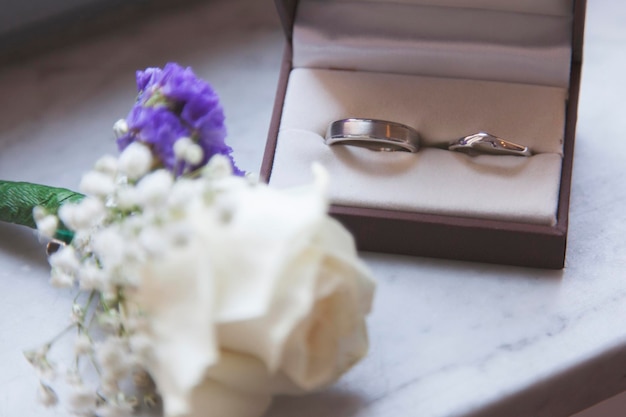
485,143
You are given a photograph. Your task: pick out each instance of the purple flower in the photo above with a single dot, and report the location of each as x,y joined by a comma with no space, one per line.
173,103
157,127
146,77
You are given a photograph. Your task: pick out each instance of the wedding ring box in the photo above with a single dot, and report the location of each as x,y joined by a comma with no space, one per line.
447,68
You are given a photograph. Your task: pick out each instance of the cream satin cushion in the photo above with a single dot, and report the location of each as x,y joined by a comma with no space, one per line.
433,180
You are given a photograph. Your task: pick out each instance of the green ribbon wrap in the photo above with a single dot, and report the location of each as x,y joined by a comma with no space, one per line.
18,199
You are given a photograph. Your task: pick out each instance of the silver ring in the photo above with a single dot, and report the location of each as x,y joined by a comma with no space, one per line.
485,143
377,135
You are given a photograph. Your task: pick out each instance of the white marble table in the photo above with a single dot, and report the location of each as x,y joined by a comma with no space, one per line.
449,339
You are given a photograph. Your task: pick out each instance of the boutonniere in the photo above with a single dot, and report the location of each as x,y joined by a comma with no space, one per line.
198,288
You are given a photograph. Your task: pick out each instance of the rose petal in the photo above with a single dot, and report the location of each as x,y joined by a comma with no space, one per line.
177,294
212,399
308,263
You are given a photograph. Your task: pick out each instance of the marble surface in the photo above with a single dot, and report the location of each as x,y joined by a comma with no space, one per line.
449,339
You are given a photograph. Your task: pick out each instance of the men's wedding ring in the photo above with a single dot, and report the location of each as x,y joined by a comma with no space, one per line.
485,143
377,135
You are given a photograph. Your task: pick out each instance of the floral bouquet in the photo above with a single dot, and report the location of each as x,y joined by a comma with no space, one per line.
198,289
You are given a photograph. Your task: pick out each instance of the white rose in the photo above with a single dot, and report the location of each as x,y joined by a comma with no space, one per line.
267,296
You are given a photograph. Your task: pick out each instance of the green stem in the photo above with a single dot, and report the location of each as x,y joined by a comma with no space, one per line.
59,335
18,199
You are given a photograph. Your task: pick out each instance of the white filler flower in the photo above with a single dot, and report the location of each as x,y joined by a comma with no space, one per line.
266,296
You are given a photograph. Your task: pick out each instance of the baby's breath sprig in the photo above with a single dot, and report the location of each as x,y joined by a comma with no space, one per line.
111,245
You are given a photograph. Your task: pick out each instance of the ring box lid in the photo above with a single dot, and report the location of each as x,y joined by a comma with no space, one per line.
287,13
